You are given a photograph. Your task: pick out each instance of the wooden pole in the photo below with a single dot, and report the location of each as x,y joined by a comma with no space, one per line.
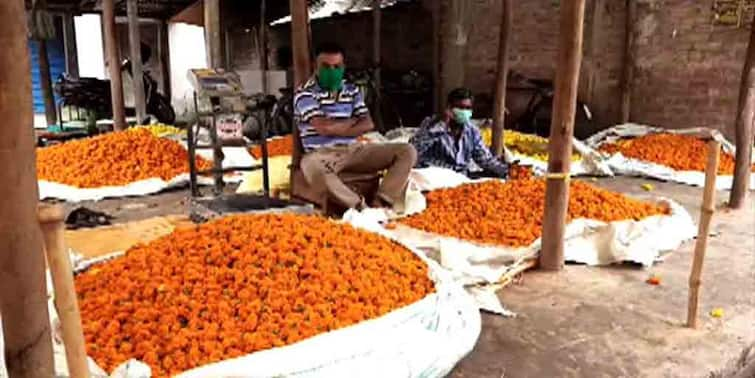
212,33
561,134
437,79
302,62
377,25
454,43
706,214
744,132
499,115
51,219
137,72
263,45
114,64
69,39
163,51
627,76
23,296
51,115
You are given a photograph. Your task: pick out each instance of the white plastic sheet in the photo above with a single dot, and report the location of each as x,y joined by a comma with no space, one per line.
635,167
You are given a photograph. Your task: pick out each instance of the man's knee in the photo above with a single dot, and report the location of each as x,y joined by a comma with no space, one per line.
312,168
406,152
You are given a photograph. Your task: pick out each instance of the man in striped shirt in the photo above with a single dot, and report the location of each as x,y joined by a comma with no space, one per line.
330,114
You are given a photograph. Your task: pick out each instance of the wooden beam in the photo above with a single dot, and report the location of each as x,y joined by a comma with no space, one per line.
113,64
744,132
627,76
437,79
137,72
707,209
455,16
561,133
499,115
213,40
300,41
69,40
263,46
377,16
23,293
163,52
45,81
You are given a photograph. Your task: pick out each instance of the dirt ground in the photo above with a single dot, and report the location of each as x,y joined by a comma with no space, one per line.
604,322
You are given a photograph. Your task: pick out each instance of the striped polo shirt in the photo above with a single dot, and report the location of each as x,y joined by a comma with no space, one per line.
311,101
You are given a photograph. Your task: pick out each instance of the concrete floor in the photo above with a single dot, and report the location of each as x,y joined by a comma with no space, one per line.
605,322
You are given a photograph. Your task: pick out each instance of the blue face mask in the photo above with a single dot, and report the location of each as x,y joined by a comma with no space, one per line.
462,116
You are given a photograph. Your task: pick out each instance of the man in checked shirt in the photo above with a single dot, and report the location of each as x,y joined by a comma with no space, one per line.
452,141
330,114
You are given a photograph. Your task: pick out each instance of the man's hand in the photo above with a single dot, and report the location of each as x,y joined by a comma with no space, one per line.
351,127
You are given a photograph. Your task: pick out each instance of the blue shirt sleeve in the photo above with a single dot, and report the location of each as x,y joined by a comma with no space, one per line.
306,107
482,156
360,108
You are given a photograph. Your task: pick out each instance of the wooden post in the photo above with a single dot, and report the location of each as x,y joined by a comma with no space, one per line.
437,79
263,46
51,219
137,73
51,114
706,214
212,33
377,15
499,115
561,134
455,38
163,51
302,63
114,64
627,76
23,296
69,39
744,132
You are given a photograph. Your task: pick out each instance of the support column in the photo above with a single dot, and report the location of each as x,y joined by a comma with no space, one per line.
627,77
137,72
455,38
113,64
212,37
45,81
377,15
69,39
499,114
561,133
163,52
23,294
437,79
302,62
263,46
744,132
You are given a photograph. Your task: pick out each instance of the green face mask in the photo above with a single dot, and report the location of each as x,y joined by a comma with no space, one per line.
330,78
462,116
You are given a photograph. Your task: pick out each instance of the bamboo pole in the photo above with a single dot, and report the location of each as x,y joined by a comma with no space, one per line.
114,65
302,62
744,132
137,72
627,76
45,81
212,33
51,219
23,297
706,214
561,133
499,114
377,25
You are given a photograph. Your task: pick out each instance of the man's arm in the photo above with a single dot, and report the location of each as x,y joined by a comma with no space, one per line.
482,156
350,127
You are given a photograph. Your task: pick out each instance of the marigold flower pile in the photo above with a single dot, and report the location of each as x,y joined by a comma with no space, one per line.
238,285
680,152
113,159
283,146
510,213
530,145
520,172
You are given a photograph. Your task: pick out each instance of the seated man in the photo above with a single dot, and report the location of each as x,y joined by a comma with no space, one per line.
330,114
452,141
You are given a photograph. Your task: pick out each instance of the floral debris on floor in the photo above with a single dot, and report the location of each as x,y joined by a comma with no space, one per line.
238,285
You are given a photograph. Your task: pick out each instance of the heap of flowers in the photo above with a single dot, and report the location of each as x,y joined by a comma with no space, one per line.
113,159
680,152
510,214
238,285
283,146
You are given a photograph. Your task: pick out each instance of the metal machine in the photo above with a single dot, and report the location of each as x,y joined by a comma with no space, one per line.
221,109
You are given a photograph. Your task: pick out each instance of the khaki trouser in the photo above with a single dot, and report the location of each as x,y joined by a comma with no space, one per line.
322,166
